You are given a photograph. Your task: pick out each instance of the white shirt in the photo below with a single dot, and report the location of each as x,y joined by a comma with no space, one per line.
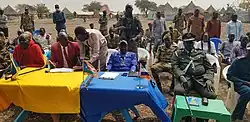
235,28
205,47
65,64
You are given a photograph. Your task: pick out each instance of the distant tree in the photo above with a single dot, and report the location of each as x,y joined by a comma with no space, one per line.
93,6
41,10
245,4
145,6
21,7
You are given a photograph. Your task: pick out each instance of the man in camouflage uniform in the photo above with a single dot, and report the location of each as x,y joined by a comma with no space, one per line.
4,53
103,21
192,71
112,39
27,21
175,34
180,22
130,29
163,59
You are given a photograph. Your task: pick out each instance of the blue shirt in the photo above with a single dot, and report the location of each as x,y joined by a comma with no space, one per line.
239,72
59,20
119,62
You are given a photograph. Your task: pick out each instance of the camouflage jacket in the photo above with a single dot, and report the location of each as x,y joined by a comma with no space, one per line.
27,21
200,69
103,21
164,54
133,28
112,42
4,56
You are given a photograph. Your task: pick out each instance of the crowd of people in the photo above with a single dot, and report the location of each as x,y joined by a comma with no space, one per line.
180,50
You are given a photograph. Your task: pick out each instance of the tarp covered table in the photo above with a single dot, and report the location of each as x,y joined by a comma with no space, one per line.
43,92
103,96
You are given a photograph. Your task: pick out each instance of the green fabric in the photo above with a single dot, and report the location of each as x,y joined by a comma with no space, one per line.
215,110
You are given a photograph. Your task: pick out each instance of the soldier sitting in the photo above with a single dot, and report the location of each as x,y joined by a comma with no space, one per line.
192,71
163,59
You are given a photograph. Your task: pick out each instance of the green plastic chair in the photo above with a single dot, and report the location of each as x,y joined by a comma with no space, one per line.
215,110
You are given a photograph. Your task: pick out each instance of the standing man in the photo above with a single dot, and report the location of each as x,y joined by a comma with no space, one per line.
59,19
27,21
214,26
130,29
103,21
97,44
196,25
180,22
238,73
235,27
163,59
112,39
159,27
3,24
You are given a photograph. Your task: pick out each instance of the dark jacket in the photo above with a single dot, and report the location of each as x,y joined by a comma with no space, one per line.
59,20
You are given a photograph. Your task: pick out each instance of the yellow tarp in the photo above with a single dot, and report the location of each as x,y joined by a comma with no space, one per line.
44,92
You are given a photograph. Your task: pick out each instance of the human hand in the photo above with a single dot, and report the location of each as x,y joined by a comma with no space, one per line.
209,86
77,68
184,82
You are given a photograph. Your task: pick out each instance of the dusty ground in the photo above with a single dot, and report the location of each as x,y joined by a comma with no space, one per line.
147,115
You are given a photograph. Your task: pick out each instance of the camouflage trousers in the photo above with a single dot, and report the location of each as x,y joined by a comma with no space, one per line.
158,68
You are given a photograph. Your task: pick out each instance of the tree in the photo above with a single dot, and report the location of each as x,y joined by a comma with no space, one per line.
41,10
21,7
245,4
145,6
93,6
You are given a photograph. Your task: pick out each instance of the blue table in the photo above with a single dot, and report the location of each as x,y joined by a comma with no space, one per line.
103,96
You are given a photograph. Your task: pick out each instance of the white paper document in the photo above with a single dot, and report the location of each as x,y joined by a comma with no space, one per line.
109,75
61,70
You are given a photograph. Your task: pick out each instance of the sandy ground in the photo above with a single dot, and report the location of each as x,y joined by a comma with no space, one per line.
147,115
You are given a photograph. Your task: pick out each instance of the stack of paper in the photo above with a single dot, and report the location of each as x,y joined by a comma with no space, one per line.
61,70
109,75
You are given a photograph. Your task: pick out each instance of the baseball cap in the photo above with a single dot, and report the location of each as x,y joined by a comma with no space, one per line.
123,41
248,46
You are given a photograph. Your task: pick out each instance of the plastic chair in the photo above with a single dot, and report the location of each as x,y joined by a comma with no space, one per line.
110,51
216,42
143,53
232,96
213,60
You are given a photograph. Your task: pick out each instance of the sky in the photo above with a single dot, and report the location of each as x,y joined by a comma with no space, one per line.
115,5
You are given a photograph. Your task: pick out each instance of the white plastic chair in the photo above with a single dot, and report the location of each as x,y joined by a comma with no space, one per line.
232,96
143,53
213,60
110,51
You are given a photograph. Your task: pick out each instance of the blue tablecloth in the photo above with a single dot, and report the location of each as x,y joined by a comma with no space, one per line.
103,96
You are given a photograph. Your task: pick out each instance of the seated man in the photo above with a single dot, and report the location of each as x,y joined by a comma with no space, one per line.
227,47
15,41
27,53
192,70
175,34
112,39
163,59
122,60
238,73
240,51
64,53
